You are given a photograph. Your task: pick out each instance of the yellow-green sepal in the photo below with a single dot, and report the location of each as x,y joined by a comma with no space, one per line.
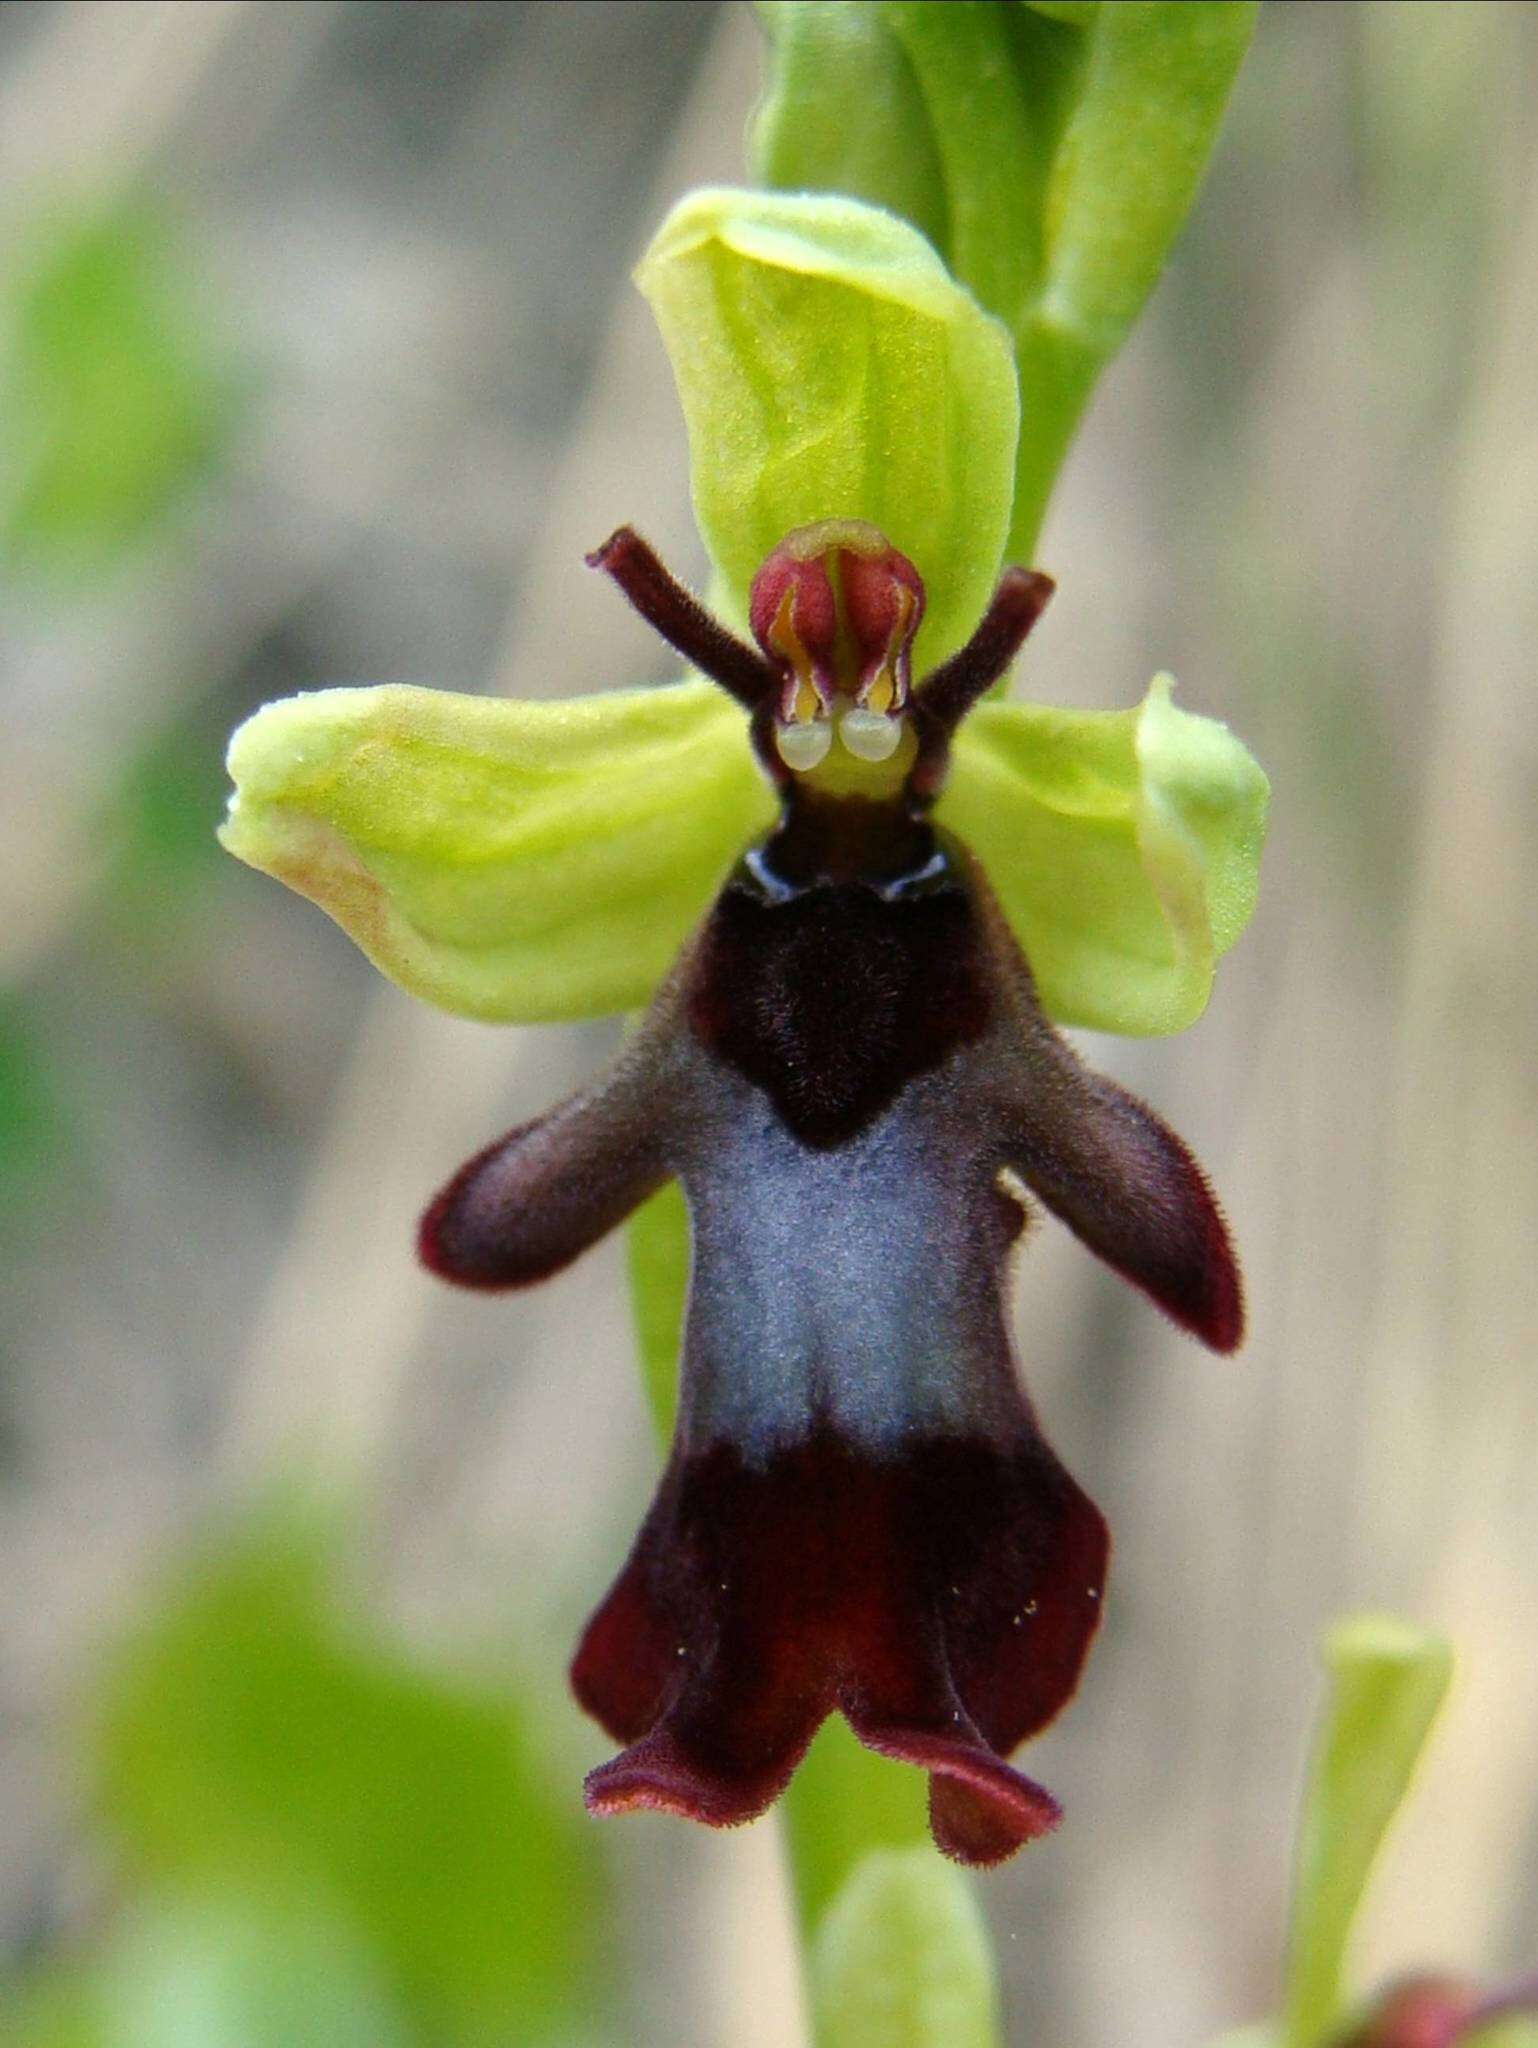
1123,846
829,367
512,861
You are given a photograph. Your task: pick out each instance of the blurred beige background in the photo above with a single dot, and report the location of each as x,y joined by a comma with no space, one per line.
1310,488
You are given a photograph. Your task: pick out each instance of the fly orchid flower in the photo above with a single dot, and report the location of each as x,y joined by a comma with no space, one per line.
849,1064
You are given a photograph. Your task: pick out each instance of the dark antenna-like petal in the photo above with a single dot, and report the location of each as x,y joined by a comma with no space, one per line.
683,621
949,692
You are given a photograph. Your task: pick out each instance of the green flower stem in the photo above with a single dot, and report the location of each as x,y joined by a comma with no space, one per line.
829,60
657,1256
990,139
1060,371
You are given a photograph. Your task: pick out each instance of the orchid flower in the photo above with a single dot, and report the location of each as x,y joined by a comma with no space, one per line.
855,900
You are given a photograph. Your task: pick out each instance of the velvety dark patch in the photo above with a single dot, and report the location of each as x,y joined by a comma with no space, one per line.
535,1199
833,999
943,1600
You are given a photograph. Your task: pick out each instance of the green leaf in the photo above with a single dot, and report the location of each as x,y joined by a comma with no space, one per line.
1387,1682
1123,847
830,368
256,1744
902,1959
992,80
506,860
1132,154
115,399
947,116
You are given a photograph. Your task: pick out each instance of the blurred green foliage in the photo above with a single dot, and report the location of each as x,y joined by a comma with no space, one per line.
219,1973
33,1117
116,394
325,1841
160,853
